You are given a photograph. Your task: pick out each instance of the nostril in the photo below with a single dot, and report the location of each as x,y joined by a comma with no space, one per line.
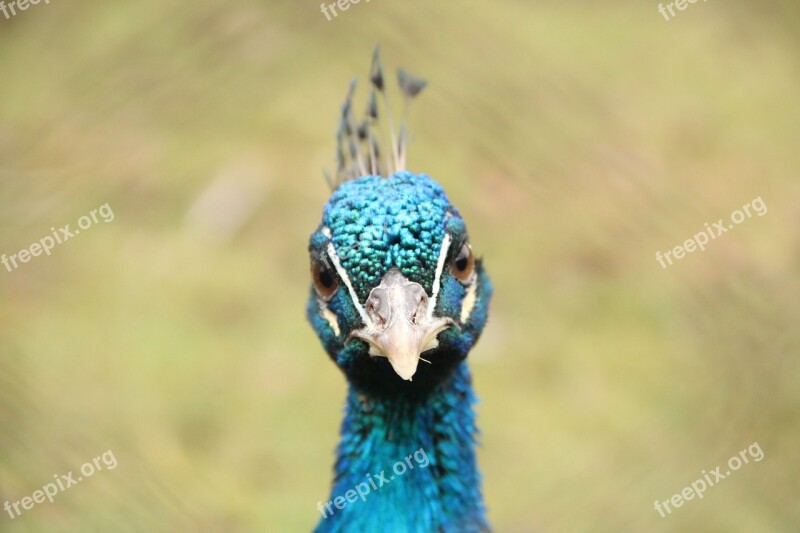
422,298
418,300
376,310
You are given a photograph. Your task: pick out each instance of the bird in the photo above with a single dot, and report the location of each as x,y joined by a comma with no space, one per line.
398,300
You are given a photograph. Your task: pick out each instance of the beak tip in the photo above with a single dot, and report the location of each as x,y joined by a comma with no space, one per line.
406,374
404,368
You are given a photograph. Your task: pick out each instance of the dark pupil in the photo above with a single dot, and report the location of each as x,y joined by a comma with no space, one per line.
461,261
325,278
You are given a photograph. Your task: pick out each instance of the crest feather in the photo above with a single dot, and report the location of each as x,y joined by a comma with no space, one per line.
359,143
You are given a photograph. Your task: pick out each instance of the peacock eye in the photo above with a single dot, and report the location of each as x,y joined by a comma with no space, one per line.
463,264
325,280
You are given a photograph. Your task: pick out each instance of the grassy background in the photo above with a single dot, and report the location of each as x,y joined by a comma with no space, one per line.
577,138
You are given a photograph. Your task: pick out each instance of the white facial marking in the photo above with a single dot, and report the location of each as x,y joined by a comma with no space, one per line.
466,310
343,274
329,316
438,276
469,301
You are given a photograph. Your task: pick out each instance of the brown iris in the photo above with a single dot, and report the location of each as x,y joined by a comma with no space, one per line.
325,280
463,264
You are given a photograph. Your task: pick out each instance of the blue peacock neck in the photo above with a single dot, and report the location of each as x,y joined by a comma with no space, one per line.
407,462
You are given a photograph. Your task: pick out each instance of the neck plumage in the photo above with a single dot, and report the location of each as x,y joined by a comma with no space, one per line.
408,463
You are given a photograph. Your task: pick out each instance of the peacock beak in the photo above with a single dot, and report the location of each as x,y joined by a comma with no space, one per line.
402,323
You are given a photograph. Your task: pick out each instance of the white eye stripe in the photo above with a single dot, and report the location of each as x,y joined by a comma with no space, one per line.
437,279
469,301
346,279
329,316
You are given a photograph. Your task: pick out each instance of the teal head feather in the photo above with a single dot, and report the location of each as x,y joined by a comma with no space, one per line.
398,301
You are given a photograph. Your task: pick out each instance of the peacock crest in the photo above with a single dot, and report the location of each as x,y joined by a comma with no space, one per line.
360,144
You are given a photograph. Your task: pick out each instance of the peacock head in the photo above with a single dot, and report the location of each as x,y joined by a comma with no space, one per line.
397,292
394,279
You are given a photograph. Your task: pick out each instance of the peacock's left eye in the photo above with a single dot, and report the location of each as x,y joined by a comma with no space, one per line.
463,264
325,280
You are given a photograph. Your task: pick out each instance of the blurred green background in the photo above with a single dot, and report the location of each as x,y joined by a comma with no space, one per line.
577,139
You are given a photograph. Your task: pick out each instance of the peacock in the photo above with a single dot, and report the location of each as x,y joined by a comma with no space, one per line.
398,300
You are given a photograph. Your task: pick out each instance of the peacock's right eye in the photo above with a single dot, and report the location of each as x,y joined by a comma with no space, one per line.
324,277
463,264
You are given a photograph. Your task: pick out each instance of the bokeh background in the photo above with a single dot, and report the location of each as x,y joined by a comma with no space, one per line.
577,138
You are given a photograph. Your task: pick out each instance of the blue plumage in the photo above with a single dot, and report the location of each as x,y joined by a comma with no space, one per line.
398,301
382,222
